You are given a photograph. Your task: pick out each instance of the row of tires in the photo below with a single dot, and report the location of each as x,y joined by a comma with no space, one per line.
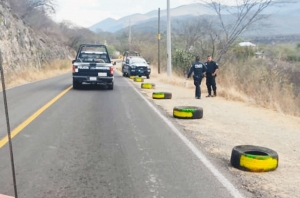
181,112
243,157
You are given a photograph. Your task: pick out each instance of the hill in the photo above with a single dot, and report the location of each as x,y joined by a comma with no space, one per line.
283,20
181,11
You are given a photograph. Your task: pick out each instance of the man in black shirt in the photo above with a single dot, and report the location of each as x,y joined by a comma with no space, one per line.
212,69
199,70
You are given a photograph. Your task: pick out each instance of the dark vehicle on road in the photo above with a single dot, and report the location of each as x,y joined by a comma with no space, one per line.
129,53
136,66
93,65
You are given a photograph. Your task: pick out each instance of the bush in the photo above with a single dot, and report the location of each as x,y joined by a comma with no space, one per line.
182,61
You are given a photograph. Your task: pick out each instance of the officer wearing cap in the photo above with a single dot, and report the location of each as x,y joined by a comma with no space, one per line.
199,70
212,69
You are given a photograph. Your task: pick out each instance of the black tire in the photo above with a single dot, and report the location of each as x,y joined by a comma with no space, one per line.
188,112
162,95
254,158
148,86
138,79
148,77
110,86
75,85
129,75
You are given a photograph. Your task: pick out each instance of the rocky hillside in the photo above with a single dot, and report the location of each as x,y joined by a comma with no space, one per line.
22,47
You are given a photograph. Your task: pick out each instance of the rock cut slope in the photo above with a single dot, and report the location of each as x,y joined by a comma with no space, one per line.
22,46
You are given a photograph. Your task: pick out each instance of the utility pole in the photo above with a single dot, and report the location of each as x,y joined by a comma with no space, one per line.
158,38
169,55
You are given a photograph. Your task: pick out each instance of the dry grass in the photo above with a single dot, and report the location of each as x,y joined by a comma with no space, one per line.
264,84
257,84
179,80
26,75
174,79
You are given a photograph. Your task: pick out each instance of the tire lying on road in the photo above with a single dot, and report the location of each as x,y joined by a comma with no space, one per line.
188,112
161,95
148,86
138,79
132,77
254,158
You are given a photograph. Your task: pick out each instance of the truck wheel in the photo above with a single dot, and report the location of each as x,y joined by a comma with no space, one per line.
111,86
148,76
75,85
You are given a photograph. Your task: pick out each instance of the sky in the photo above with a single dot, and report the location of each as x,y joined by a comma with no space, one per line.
86,13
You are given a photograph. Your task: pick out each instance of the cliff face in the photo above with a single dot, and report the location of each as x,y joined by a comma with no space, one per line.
21,46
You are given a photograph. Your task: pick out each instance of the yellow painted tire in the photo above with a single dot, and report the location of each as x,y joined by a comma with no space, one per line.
138,79
148,86
161,95
254,158
132,77
188,112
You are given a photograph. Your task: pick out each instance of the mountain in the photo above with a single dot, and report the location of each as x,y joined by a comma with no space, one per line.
105,23
110,25
283,19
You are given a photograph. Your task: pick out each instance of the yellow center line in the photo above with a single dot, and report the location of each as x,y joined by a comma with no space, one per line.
32,117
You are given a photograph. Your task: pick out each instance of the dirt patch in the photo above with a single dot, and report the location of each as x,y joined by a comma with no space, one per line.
229,123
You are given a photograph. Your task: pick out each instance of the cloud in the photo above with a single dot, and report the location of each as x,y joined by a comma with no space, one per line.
137,9
84,17
187,1
78,3
84,13
89,12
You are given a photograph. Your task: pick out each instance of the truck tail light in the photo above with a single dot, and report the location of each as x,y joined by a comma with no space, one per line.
111,70
73,69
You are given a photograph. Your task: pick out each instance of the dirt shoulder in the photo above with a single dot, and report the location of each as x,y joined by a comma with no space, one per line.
229,123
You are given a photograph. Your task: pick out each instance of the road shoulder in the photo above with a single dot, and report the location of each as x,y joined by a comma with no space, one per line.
229,123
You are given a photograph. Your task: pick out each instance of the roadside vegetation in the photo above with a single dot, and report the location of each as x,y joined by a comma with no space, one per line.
37,15
266,75
26,75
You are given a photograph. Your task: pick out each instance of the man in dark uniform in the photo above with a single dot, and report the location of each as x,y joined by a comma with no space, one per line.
199,70
212,69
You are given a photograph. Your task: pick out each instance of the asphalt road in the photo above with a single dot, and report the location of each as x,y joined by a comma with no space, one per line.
97,143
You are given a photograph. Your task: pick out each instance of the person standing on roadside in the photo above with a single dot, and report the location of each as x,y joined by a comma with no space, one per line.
212,69
199,70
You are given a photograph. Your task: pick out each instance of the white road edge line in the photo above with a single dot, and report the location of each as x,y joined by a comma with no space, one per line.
233,191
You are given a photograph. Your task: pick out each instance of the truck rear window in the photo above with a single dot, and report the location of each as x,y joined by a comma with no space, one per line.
93,54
